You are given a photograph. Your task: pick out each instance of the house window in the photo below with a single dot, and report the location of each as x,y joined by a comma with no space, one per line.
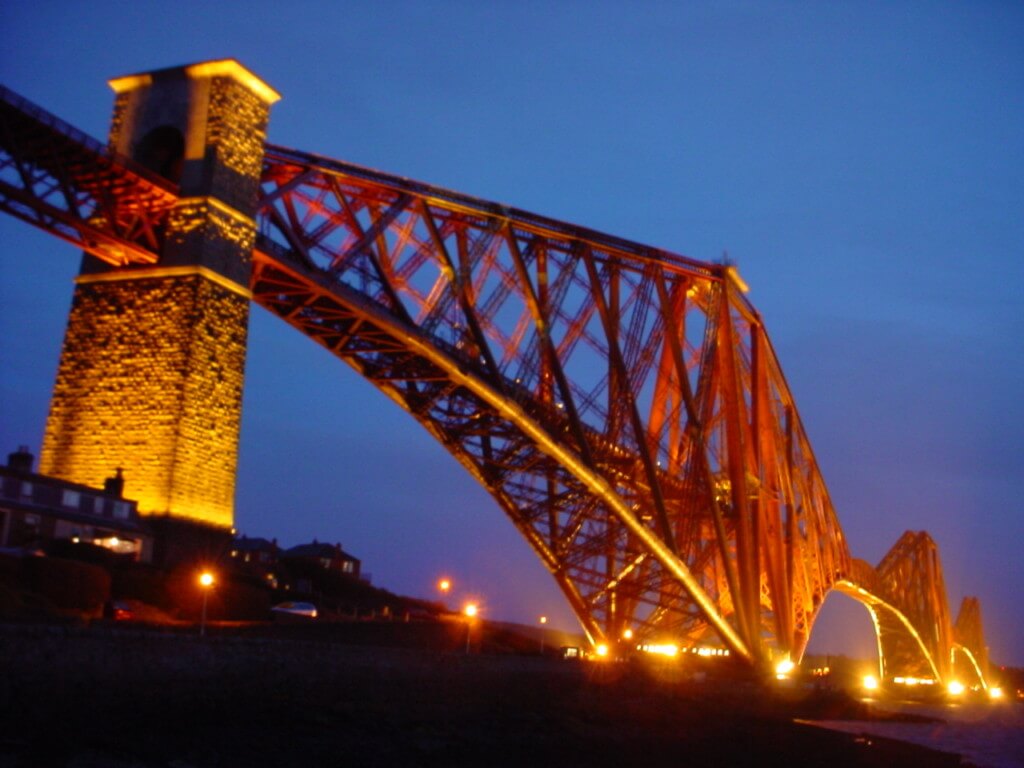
71,498
26,489
347,566
121,509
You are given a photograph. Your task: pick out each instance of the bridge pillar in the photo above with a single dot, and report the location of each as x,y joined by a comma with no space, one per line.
150,376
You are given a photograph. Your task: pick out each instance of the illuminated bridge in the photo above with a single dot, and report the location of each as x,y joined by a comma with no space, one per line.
623,405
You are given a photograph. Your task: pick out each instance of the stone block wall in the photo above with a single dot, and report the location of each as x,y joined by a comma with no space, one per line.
151,381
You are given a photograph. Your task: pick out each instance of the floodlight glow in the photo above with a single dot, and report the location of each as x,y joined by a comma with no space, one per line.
783,668
666,649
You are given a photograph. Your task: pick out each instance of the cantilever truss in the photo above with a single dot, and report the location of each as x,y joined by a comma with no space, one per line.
622,405
970,654
906,596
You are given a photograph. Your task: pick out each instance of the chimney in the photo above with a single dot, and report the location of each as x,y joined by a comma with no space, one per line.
21,460
114,486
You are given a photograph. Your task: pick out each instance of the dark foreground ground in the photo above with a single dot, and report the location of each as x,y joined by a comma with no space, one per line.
107,697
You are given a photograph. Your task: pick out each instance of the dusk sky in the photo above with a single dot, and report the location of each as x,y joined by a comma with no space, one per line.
861,163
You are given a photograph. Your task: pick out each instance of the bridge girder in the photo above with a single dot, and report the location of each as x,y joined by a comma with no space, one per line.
66,183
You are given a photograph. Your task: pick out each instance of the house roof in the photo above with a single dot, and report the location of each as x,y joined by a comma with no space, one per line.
255,544
319,549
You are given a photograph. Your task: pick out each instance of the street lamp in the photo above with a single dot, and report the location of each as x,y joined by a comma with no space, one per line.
444,586
205,582
470,610
543,621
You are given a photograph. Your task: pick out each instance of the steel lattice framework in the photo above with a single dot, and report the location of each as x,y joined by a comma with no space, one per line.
623,405
970,654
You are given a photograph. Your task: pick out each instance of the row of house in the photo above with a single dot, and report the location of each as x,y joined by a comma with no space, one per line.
36,509
261,557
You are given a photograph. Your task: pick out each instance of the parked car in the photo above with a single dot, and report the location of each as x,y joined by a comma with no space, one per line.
119,610
296,609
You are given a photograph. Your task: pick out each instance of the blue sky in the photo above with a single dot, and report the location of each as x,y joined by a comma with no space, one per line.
862,163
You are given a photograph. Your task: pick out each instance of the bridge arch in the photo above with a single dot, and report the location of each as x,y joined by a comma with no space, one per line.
843,626
902,651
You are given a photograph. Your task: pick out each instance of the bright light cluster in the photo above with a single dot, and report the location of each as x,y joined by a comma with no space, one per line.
703,651
913,681
660,649
783,669
671,650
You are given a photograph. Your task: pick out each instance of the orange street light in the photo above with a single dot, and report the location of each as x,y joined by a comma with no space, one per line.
444,585
470,610
206,582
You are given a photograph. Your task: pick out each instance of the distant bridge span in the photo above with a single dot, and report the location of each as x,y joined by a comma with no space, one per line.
623,405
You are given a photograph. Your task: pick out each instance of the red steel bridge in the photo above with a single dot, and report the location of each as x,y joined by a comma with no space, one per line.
622,404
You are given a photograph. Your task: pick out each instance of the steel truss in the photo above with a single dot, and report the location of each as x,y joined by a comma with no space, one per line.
623,405
54,176
969,656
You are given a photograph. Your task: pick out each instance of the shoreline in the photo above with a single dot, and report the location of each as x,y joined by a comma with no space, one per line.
111,698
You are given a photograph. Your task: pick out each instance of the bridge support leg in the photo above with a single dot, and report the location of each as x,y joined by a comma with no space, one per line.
151,372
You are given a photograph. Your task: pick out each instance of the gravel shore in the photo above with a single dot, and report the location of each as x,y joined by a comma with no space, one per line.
106,697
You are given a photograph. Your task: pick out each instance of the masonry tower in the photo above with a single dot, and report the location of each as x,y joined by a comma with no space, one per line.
150,376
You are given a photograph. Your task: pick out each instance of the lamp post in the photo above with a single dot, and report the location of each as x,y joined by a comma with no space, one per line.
205,582
543,621
470,610
444,586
